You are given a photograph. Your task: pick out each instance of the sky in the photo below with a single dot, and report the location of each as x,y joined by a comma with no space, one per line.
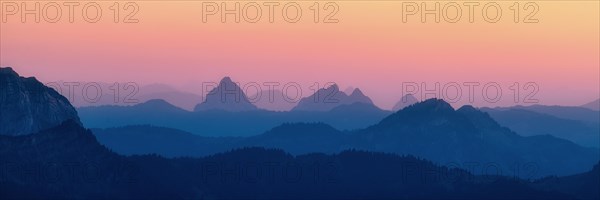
555,60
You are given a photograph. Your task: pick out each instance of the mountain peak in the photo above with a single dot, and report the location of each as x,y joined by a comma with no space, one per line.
468,108
226,96
226,79
29,106
357,92
357,96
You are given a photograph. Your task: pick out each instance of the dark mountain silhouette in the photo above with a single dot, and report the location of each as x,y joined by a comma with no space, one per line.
405,101
27,106
582,186
227,96
433,130
145,139
594,105
60,162
530,123
224,123
73,165
67,162
326,99
301,138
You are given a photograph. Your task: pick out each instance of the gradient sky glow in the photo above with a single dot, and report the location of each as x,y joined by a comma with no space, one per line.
370,48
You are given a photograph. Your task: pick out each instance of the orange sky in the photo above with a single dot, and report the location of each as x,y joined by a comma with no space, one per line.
370,47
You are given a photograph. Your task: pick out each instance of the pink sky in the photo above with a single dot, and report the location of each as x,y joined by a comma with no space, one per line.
370,48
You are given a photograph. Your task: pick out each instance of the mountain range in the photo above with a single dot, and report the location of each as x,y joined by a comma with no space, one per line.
76,166
577,124
529,122
224,123
326,99
389,159
431,129
122,94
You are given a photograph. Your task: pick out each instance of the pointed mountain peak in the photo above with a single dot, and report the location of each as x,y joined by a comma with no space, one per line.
358,96
226,84
227,96
226,79
357,92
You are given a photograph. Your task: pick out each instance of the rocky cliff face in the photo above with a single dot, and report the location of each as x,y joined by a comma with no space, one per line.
27,106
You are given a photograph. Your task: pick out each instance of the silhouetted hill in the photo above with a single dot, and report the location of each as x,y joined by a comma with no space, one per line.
326,99
145,139
27,106
67,162
223,123
176,97
298,138
301,138
434,130
226,96
158,111
530,123
582,186
74,165
61,162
